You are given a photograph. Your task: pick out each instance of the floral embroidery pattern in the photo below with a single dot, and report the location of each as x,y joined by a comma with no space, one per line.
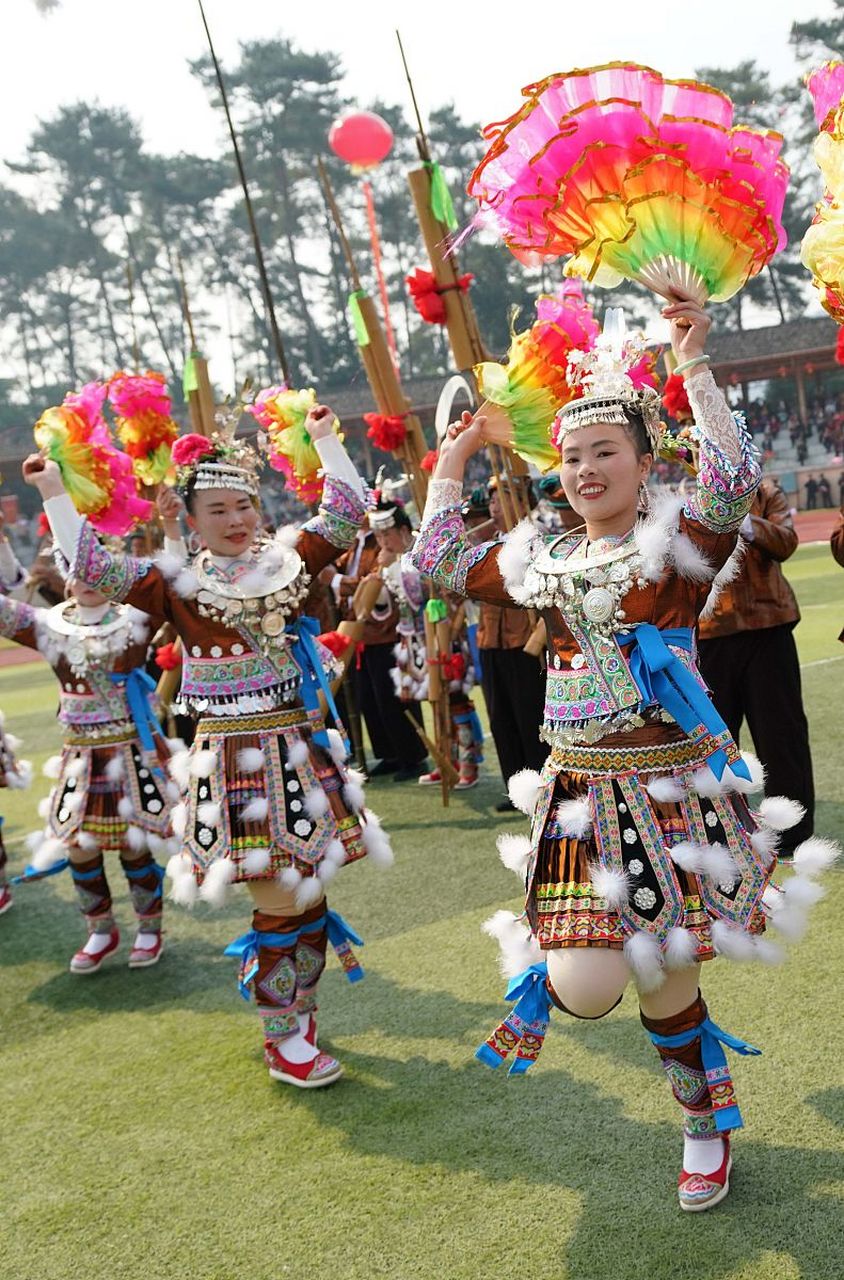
340,514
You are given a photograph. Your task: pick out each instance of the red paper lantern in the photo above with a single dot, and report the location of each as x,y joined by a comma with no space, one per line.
361,138
809,370
782,371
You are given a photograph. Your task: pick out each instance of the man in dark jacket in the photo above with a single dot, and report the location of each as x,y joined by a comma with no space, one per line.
749,659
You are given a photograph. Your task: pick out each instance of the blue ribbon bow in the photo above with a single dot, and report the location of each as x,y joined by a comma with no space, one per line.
712,1038
246,947
139,687
306,656
341,935
662,678
529,1015
31,873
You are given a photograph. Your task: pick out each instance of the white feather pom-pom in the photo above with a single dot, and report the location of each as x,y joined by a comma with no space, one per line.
611,885
168,564
704,783
680,949
179,766
666,790
125,808
184,890
336,853
179,820
256,861
202,763
86,842
48,853
515,553
815,855
20,778
336,747
308,891
76,768
518,948
186,584
779,813
688,856
209,812
689,560
375,841
764,842
326,871
297,753
514,852
289,878
354,796
757,775
255,810
316,803
136,839
645,959
115,770
791,921
768,952
73,801
52,767
731,942
575,817
34,839
523,790
215,885
802,892
250,759
156,845
720,865
44,807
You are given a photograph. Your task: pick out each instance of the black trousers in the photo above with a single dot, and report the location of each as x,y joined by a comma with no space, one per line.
392,736
755,676
514,689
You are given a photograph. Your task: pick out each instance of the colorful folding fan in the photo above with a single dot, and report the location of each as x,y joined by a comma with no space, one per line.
822,250
282,413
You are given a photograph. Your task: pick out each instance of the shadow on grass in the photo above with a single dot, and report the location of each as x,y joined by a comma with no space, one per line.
556,1131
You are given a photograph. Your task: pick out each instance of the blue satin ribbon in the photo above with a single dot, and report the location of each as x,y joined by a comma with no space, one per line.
138,687
662,678
32,873
341,935
712,1037
306,656
246,947
472,637
532,1007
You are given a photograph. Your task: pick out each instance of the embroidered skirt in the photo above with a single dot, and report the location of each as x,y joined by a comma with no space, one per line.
259,791
622,829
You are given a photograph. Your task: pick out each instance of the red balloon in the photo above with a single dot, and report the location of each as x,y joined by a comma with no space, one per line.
361,138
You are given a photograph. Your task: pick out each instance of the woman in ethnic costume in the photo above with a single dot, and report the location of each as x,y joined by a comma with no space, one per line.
111,790
267,799
644,858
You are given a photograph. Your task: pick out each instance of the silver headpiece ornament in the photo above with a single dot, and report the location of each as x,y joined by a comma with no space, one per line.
607,389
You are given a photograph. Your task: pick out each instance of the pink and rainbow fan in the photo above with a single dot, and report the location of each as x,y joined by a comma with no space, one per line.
282,413
822,250
635,177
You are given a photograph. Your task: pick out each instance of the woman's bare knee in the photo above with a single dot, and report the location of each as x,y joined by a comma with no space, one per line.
588,981
269,896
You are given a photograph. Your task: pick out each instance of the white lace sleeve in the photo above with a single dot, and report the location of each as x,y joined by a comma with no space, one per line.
712,414
443,495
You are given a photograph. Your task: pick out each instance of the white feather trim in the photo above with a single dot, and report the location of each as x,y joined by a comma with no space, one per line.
48,853
764,842
76,768
255,810
517,552
256,861
308,891
611,885
645,959
514,852
156,845
34,839
297,753
689,856
523,790
250,759
316,803
354,796
136,839
768,952
326,871
666,790
518,948
757,775
815,855
202,763
125,808
209,812
184,890
731,942
680,949
186,584
179,820
336,853
375,841
725,575
215,885
179,766
720,865
289,878
44,807
172,792
356,775
802,892
780,813
689,561
73,801
20,778
168,564
575,817
52,768
336,747
86,842
115,770
704,783
791,921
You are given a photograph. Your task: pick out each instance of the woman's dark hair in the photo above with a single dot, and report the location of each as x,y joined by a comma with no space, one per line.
636,431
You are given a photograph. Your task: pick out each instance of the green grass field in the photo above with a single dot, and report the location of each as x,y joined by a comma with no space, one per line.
143,1139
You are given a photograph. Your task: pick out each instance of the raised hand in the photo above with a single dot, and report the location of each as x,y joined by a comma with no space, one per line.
462,439
689,326
43,474
320,421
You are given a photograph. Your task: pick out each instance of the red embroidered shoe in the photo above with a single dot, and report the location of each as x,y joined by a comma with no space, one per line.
699,1191
145,957
5,899
85,962
431,779
310,1034
320,1071
466,781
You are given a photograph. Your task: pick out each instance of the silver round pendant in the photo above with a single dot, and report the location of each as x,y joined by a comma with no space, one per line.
598,604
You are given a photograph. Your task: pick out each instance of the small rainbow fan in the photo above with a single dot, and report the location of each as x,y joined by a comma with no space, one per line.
822,250
144,425
288,446
635,177
97,476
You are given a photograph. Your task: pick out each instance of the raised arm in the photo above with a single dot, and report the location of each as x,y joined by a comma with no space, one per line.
728,470
343,505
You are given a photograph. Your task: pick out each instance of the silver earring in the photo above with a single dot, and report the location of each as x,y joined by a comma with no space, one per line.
644,498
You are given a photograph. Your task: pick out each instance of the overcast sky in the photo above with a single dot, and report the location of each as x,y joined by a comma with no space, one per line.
476,53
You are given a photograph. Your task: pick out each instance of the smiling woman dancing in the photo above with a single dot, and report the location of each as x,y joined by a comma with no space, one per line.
644,858
267,798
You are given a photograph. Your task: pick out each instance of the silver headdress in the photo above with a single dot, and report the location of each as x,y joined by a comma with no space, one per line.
603,375
224,463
